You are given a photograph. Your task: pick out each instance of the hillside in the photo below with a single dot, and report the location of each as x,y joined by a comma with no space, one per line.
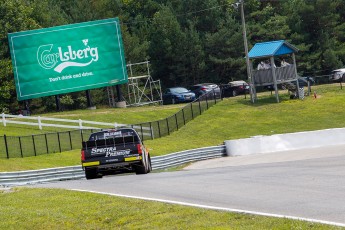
230,119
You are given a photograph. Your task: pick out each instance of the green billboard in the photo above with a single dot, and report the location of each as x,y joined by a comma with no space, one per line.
68,58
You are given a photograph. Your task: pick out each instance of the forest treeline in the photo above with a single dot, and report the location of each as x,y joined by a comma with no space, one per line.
186,41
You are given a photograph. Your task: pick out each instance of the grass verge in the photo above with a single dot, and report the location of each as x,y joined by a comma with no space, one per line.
28,208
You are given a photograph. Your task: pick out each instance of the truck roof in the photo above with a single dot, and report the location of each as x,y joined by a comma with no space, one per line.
113,134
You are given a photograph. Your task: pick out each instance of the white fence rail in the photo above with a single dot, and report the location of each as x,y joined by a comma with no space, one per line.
18,119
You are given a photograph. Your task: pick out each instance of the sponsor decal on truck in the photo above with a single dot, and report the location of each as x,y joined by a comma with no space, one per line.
110,151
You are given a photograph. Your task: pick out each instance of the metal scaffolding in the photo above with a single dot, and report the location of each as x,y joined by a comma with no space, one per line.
141,88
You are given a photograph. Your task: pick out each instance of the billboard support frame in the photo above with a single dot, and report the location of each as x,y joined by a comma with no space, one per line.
143,89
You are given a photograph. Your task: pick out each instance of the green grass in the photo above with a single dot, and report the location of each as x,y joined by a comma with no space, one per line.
27,208
232,118
238,118
68,158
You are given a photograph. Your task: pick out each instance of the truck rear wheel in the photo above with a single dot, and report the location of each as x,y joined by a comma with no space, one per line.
91,174
144,167
140,169
149,167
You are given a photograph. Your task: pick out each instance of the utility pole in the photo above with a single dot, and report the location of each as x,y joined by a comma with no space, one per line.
244,33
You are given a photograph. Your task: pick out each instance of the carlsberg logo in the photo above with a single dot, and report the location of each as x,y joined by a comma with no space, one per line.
66,56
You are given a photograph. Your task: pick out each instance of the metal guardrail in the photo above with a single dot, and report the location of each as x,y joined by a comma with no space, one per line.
40,176
76,172
179,158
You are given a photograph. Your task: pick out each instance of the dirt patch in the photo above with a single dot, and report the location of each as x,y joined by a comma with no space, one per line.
6,190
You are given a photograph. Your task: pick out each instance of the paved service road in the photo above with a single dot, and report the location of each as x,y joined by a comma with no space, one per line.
307,184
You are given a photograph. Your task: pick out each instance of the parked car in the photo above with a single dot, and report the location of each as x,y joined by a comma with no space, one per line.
302,82
177,95
338,75
234,88
205,88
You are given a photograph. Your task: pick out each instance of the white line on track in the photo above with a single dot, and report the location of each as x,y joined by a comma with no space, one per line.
218,208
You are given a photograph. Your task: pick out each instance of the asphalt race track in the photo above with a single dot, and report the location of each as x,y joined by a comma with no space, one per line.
305,184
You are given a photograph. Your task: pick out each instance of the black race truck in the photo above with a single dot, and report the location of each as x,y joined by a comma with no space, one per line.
114,151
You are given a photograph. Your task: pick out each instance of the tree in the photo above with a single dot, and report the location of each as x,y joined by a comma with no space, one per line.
135,48
15,16
267,25
89,10
194,57
225,53
187,42
166,41
7,88
314,23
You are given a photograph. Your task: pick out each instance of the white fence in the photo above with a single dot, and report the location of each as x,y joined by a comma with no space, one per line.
38,121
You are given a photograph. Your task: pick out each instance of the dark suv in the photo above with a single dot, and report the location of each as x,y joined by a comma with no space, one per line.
206,88
234,88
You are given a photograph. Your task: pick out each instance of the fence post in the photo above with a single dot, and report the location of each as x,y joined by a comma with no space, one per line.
184,119
191,108
58,135
39,122
176,121
168,126
70,139
20,146
5,139
80,124
214,96
159,130
3,119
244,87
142,133
33,142
151,131
81,134
199,107
45,137
206,101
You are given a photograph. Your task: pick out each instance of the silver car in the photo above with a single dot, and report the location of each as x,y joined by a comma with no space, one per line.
210,89
338,75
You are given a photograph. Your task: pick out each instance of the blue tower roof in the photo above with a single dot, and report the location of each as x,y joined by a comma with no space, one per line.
272,48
